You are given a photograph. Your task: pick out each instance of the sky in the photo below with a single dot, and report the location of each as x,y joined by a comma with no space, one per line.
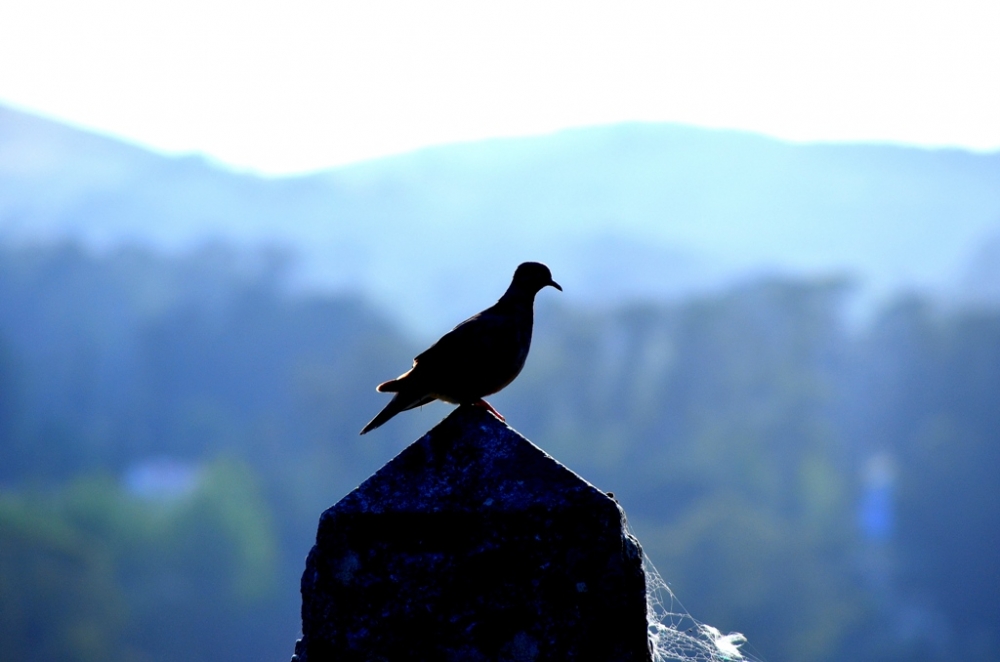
298,85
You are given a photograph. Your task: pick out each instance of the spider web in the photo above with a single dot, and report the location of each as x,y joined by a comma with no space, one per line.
675,635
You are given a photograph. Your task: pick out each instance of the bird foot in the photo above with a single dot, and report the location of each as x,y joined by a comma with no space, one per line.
488,407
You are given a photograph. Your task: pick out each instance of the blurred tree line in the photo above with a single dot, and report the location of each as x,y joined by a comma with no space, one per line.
829,491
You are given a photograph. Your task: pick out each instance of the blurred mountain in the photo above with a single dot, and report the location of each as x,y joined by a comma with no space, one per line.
631,211
981,284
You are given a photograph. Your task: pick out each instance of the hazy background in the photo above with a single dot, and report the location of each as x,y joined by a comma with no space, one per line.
778,231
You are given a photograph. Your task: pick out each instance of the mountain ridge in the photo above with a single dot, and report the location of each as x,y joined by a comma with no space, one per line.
623,211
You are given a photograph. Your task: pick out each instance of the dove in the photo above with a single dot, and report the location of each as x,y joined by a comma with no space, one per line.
477,358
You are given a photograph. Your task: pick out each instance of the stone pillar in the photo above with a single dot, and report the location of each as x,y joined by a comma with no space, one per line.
471,545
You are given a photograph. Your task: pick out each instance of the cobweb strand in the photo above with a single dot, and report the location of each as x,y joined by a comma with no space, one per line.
675,635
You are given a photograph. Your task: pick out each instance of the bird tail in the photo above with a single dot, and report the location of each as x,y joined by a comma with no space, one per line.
401,402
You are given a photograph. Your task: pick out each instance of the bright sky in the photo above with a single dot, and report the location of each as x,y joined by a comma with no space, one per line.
302,84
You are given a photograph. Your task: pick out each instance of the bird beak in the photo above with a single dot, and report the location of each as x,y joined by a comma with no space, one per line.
555,285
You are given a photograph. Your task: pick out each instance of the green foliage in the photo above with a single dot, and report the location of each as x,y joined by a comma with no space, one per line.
59,597
103,573
947,445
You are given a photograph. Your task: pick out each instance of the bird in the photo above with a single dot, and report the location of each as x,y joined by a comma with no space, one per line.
478,357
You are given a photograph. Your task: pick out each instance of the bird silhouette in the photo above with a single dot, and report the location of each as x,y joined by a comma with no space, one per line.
478,357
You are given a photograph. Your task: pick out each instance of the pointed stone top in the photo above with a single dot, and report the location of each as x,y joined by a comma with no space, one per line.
474,544
471,462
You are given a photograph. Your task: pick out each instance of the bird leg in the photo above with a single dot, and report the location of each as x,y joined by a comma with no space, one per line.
488,407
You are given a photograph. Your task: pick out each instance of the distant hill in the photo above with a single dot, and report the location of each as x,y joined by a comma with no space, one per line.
623,211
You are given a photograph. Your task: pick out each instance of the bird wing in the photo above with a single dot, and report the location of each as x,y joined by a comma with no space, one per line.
476,358
458,336
480,333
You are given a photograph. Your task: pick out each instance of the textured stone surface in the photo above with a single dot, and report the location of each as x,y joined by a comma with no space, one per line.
473,544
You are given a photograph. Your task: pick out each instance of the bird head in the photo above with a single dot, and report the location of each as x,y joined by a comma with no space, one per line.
533,276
